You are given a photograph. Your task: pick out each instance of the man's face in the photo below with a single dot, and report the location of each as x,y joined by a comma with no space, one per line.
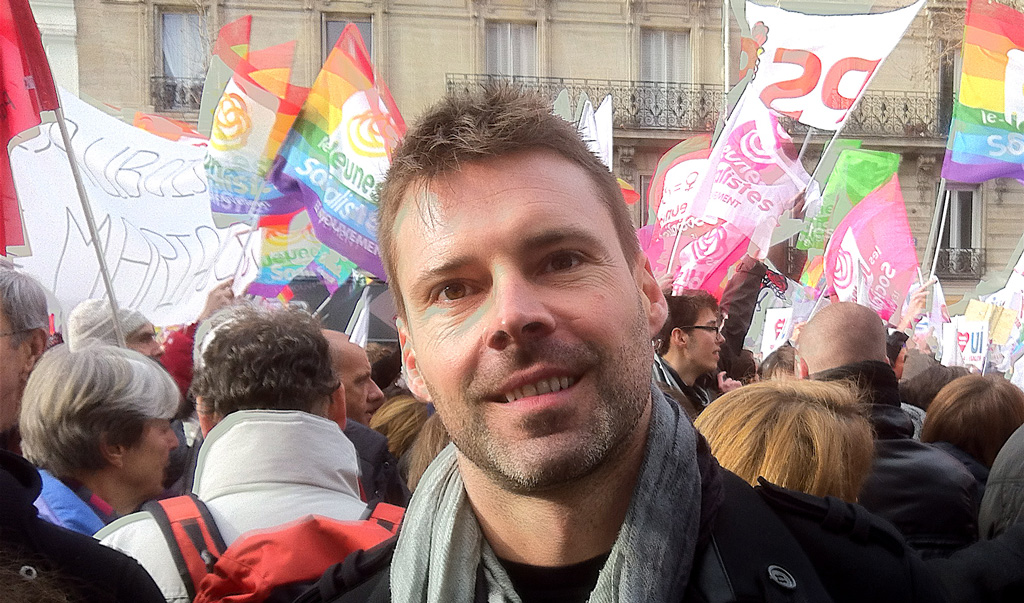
703,345
362,396
143,340
525,322
16,362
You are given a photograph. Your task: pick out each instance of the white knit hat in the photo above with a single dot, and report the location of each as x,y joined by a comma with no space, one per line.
92,319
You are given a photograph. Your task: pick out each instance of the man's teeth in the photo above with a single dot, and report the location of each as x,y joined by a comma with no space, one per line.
545,386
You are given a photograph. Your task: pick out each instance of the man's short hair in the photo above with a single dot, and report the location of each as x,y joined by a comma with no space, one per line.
77,399
498,121
263,359
683,310
23,302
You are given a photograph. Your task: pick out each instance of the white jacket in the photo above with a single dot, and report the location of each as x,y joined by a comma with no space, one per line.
257,469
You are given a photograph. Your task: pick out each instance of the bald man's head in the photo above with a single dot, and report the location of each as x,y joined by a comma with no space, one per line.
840,334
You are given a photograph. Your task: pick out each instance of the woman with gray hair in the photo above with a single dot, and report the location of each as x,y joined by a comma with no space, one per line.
97,422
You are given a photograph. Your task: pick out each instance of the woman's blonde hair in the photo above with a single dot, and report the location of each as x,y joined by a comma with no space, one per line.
400,419
809,436
431,441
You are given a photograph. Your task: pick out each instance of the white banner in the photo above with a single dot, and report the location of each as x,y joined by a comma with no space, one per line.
152,208
813,67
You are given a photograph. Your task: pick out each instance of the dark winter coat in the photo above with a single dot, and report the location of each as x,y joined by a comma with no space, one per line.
98,573
927,494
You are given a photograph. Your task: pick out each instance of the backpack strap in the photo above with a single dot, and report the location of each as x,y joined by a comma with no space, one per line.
191,534
387,516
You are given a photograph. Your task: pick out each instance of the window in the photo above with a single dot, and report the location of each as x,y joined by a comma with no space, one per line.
664,56
950,65
184,51
959,252
332,31
511,49
646,215
959,231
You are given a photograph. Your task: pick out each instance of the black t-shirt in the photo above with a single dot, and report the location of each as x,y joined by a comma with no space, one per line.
567,584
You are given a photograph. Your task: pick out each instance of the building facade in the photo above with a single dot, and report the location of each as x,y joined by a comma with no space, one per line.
660,60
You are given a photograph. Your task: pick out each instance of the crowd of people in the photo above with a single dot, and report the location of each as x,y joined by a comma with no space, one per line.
551,426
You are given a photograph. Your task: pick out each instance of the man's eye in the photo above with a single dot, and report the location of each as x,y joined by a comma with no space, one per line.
564,261
452,292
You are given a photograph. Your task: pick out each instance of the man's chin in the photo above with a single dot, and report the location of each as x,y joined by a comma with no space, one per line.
537,464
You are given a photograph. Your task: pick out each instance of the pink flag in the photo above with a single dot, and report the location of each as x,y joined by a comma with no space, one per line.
705,263
870,258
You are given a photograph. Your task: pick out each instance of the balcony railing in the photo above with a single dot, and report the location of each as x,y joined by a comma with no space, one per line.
695,107
176,94
635,105
961,263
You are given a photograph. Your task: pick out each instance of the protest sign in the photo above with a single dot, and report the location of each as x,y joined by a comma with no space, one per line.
1000,320
152,208
965,343
777,328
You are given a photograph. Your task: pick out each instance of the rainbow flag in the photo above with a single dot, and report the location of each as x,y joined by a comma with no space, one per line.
339,149
986,138
254,115
289,249
232,44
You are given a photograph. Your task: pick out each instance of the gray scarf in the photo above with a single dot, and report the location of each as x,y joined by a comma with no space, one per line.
441,546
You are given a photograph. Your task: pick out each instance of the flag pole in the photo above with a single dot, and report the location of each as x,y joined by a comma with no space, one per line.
936,222
91,224
942,226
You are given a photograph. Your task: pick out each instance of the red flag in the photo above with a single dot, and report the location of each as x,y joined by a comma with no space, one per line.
26,88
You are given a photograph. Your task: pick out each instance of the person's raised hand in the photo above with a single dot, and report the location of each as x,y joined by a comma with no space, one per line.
726,384
219,297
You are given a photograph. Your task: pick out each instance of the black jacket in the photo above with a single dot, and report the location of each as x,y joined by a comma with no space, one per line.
378,468
98,573
927,494
754,544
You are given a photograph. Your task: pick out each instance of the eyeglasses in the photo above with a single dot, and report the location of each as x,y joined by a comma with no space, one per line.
710,329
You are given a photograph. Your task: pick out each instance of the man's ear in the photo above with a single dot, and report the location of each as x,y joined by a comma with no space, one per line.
413,377
678,338
653,298
34,346
804,372
207,420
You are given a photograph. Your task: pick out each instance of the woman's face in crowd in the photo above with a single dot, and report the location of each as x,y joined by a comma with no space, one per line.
145,463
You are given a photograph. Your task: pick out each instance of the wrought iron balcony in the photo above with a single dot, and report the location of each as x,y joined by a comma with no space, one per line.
635,105
961,263
695,107
176,93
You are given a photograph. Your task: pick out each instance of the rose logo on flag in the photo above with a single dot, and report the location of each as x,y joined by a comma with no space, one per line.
752,147
231,123
708,244
364,134
843,275
961,340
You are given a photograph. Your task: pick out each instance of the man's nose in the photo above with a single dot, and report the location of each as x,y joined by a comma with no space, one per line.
520,312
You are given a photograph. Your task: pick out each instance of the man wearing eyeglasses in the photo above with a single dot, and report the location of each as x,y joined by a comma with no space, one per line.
689,346
23,322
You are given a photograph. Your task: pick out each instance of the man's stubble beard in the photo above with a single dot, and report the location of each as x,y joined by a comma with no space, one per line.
622,378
